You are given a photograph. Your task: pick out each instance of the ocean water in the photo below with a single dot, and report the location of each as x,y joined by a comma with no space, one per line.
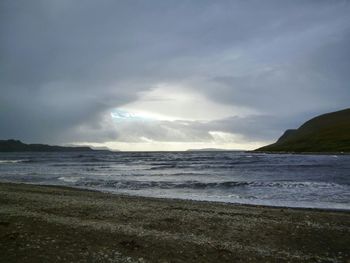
318,181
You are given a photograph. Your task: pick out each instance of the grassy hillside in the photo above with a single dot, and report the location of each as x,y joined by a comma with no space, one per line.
325,133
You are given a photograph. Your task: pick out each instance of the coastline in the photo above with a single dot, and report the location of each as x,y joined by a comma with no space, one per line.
214,201
301,153
208,201
59,224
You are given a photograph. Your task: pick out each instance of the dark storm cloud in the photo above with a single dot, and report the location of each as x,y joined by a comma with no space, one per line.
66,64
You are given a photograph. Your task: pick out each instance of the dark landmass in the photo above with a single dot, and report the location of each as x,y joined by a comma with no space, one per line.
18,146
328,133
60,224
103,148
211,150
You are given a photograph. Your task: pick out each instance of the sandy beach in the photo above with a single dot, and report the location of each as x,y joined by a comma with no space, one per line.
59,224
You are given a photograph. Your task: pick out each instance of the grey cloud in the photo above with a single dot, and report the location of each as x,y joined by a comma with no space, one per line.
66,64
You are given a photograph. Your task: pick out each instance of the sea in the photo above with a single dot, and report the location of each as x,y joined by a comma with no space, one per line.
287,180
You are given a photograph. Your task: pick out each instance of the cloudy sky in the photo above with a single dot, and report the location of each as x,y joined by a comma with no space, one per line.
169,75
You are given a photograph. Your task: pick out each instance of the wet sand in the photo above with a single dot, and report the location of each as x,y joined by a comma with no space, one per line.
60,224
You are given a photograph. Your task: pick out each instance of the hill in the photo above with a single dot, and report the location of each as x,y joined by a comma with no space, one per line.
207,150
18,146
325,133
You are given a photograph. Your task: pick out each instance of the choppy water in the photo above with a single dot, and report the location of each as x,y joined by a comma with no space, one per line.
271,179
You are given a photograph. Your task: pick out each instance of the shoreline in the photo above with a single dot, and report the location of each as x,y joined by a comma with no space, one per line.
301,153
59,224
184,199
320,209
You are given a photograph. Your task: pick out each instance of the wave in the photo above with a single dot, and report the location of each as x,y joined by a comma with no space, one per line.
291,184
124,184
12,161
36,161
226,185
68,179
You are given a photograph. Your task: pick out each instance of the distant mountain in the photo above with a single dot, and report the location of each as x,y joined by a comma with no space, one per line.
18,146
325,133
103,148
210,150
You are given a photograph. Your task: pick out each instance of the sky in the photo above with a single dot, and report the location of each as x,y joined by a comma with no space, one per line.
169,75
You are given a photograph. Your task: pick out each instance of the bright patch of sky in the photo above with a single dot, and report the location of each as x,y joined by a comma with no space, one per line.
171,102
150,145
158,120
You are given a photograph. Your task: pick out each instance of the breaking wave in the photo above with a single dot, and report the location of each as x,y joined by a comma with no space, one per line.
136,185
12,161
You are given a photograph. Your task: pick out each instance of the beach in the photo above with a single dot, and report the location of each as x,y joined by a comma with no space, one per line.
62,224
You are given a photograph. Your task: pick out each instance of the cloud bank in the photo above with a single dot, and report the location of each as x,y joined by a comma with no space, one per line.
191,69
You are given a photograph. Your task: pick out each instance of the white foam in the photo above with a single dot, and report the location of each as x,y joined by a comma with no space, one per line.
69,179
12,161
